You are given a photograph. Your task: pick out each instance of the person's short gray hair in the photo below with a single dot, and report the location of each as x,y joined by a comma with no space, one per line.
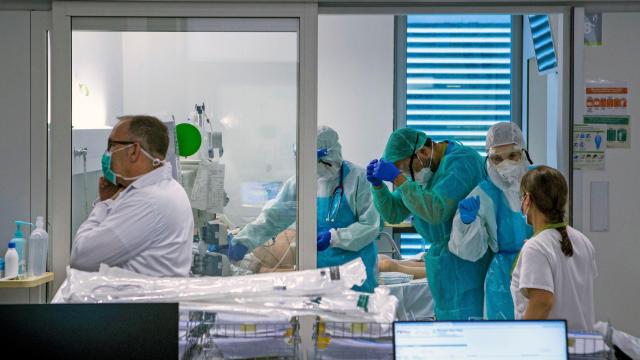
150,132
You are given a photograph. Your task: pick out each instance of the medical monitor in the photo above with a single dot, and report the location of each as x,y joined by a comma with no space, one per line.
480,340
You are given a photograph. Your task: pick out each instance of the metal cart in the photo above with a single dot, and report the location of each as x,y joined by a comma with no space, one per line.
590,345
352,340
203,336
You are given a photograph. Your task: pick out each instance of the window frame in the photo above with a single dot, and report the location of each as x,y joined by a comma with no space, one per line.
400,87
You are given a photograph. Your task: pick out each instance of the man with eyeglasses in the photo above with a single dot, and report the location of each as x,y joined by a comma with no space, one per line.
348,223
142,220
430,179
490,218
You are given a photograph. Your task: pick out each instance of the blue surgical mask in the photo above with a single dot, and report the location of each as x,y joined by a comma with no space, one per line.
110,175
524,211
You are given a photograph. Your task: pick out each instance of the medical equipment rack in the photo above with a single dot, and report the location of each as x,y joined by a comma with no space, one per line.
352,340
202,337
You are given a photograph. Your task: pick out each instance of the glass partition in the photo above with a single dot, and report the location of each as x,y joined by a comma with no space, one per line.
236,82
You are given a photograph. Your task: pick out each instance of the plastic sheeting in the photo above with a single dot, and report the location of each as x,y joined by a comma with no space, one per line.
348,305
628,344
117,285
322,292
414,300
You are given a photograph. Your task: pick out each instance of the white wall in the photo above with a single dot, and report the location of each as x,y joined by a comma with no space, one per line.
15,111
537,113
355,81
97,82
617,251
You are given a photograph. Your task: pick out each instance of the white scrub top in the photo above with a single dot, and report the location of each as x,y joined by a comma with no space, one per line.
542,265
148,229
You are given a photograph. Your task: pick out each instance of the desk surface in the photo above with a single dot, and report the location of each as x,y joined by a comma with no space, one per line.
27,282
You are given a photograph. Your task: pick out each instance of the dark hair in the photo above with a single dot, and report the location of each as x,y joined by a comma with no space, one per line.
150,132
548,192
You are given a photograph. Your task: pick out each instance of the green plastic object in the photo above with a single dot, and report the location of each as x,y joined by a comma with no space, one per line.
189,139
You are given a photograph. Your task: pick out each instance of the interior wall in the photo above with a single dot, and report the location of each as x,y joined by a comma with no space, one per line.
15,113
355,81
537,114
618,250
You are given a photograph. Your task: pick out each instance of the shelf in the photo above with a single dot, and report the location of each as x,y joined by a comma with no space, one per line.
30,282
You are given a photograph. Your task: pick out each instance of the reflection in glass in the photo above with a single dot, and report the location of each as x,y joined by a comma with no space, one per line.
239,89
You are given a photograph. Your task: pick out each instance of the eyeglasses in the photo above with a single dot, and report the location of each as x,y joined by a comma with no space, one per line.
110,143
510,155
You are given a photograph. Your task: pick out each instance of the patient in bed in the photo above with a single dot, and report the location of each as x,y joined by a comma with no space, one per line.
277,254
410,267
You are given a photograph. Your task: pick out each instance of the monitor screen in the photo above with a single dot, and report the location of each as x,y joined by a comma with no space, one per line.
91,331
258,193
480,340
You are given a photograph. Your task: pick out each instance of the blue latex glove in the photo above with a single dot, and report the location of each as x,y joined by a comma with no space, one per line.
324,240
370,177
386,171
237,252
468,209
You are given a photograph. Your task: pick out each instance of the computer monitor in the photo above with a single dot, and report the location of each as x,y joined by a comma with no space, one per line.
91,331
480,340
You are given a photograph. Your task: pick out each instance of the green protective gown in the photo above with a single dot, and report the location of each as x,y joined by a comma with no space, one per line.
457,285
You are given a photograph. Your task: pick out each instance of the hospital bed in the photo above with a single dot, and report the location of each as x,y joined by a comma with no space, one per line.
352,340
205,335
414,297
414,300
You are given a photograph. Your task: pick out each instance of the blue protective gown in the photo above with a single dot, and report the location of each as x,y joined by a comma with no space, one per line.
457,285
336,256
356,221
512,231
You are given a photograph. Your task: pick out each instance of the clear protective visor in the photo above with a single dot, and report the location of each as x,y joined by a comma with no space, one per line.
499,154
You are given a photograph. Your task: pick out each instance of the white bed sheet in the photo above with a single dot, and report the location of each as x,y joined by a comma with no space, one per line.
414,300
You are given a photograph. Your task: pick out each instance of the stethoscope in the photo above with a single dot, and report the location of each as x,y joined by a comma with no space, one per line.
338,193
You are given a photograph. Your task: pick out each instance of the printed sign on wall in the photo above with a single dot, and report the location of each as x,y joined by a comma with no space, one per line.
606,98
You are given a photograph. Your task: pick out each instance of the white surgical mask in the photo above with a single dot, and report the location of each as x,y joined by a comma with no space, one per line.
425,173
511,171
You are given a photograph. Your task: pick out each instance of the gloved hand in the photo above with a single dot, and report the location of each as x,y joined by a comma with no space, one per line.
386,171
237,252
370,177
324,240
468,209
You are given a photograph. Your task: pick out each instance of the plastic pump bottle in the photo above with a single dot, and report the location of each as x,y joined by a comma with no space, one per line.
21,243
38,248
11,262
